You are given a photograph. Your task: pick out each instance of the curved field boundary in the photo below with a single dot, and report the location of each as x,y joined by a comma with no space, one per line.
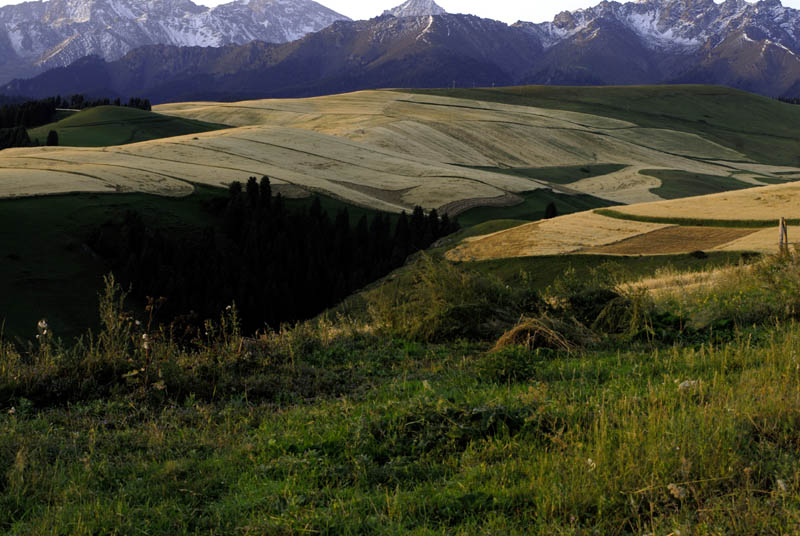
694,222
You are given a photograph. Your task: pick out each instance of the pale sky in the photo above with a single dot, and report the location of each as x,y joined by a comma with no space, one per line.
508,11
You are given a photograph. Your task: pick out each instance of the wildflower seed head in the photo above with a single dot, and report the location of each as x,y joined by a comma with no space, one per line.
677,491
688,385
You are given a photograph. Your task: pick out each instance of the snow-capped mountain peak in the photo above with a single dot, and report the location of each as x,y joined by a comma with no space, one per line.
416,8
677,25
38,35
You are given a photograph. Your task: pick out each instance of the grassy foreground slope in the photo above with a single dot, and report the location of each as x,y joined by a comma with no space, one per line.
117,125
675,414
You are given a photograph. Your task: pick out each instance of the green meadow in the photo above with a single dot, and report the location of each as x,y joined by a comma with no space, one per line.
117,125
462,404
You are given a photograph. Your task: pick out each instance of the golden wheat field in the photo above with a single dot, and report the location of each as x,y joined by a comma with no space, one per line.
768,202
594,234
382,149
567,234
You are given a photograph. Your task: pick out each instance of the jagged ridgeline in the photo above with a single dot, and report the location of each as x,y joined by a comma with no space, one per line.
276,263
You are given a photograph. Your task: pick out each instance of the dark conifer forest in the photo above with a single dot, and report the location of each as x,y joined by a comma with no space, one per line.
277,265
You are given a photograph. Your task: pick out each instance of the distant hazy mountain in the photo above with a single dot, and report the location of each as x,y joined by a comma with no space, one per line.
749,46
38,35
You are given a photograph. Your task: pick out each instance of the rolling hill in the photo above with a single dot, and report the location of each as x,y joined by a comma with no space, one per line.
392,150
116,125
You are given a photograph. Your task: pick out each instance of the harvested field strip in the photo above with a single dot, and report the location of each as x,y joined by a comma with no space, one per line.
565,234
161,159
375,167
100,164
674,240
66,171
572,118
764,241
693,222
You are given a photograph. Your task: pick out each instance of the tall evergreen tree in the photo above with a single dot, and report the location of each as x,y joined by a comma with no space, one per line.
265,191
253,194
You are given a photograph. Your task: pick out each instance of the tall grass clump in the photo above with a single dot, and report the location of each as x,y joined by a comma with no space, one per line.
594,311
439,301
148,362
767,291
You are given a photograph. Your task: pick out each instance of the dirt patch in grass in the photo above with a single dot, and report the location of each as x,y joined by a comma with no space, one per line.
674,240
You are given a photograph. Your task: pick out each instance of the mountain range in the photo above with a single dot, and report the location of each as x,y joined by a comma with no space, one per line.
35,36
751,46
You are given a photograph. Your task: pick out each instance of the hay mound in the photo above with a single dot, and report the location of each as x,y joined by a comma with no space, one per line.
546,332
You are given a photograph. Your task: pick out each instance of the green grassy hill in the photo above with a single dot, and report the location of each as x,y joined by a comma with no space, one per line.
663,417
762,128
116,125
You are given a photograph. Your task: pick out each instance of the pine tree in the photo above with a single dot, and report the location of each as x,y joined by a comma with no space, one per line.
234,213
253,194
265,191
52,138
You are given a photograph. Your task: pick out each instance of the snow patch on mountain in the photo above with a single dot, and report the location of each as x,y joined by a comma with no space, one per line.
56,32
680,26
416,8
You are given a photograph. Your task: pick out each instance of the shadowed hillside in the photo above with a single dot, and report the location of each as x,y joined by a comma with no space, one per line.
115,125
